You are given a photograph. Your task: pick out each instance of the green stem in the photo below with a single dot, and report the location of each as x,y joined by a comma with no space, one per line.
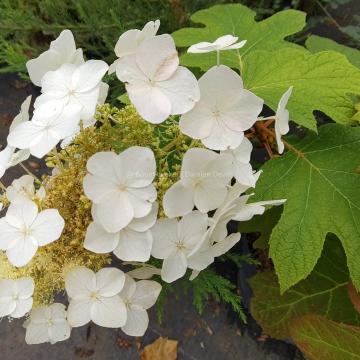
30,173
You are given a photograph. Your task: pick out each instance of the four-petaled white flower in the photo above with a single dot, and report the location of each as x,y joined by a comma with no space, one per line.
74,85
174,241
24,229
9,156
130,40
156,84
121,186
243,171
224,112
24,189
49,125
16,297
138,297
95,297
62,51
226,42
282,119
203,183
47,324
132,243
143,271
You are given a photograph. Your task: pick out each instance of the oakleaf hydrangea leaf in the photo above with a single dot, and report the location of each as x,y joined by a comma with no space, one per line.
317,43
319,178
321,81
322,339
323,292
237,20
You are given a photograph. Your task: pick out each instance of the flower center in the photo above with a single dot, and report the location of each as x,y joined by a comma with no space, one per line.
15,297
216,113
50,322
94,296
180,245
128,303
26,231
122,187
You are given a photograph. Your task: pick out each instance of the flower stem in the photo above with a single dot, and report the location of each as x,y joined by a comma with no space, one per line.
30,173
218,57
2,186
59,163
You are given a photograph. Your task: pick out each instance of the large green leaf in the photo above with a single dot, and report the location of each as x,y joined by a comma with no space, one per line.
317,43
323,292
237,20
319,178
321,82
322,339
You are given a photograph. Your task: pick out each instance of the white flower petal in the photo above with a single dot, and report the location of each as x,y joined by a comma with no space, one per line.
109,281
60,331
209,196
97,188
128,289
146,222
146,293
80,282
88,75
160,64
9,235
98,240
79,312
182,90
134,246
178,200
137,322
36,333
22,308
25,287
164,238
192,224
47,227
174,267
22,253
109,312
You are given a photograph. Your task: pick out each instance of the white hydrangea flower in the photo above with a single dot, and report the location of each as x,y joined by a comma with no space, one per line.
174,242
74,85
16,297
24,229
203,183
62,51
47,324
121,186
243,171
130,40
23,188
9,156
133,243
156,84
224,112
138,297
282,119
226,42
49,125
95,297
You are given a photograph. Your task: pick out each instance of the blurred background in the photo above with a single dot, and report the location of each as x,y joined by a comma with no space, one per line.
26,29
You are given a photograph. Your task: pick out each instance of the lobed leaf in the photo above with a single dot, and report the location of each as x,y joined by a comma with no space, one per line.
320,179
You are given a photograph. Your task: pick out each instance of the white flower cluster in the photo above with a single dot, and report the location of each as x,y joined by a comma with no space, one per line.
216,109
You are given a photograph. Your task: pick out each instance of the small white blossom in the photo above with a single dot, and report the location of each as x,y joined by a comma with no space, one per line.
282,119
226,42
121,186
224,112
174,241
243,171
9,156
62,51
49,125
156,84
16,297
24,229
203,183
23,188
74,85
130,40
95,297
138,297
47,324
133,243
